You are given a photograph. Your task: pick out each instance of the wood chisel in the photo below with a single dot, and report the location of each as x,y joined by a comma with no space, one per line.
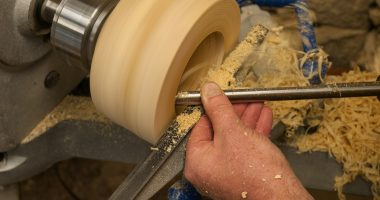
336,90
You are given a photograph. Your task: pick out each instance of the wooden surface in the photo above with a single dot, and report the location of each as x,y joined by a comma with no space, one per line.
143,50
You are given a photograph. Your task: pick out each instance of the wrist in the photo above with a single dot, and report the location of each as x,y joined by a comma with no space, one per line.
281,187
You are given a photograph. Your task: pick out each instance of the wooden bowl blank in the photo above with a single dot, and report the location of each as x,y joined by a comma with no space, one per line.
144,48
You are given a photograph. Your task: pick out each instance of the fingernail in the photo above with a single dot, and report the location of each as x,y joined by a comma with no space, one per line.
211,89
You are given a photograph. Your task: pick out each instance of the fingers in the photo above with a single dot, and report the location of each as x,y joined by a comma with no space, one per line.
224,116
259,118
240,109
197,146
252,114
218,107
202,131
264,124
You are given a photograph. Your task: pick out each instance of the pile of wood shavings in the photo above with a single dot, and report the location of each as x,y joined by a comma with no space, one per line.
180,126
71,108
185,120
350,131
276,65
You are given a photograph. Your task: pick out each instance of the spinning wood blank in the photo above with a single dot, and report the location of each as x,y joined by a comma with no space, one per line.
144,48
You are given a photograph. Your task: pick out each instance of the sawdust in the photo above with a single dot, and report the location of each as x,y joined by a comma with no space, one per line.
186,120
224,75
178,128
154,149
71,108
278,176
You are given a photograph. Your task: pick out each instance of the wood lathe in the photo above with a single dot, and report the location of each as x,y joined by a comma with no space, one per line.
131,51
134,52
137,54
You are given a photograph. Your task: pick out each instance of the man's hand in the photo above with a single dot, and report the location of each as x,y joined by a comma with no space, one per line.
229,155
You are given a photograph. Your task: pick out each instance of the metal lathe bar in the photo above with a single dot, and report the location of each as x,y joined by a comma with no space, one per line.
337,90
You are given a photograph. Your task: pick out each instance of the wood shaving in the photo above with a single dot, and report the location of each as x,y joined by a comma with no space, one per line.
278,176
321,58
169,148
244,195
154,149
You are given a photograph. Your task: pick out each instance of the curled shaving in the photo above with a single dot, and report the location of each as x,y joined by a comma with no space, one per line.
321,58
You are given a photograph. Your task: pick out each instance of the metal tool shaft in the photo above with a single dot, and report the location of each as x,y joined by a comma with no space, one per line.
337,90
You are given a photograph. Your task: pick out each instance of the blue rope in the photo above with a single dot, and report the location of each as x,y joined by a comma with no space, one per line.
183,190
309,42
267,3
306,26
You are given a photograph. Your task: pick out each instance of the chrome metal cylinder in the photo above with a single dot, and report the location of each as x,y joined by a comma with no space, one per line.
337,90
76,26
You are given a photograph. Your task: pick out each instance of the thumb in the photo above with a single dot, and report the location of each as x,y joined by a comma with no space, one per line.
218,108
